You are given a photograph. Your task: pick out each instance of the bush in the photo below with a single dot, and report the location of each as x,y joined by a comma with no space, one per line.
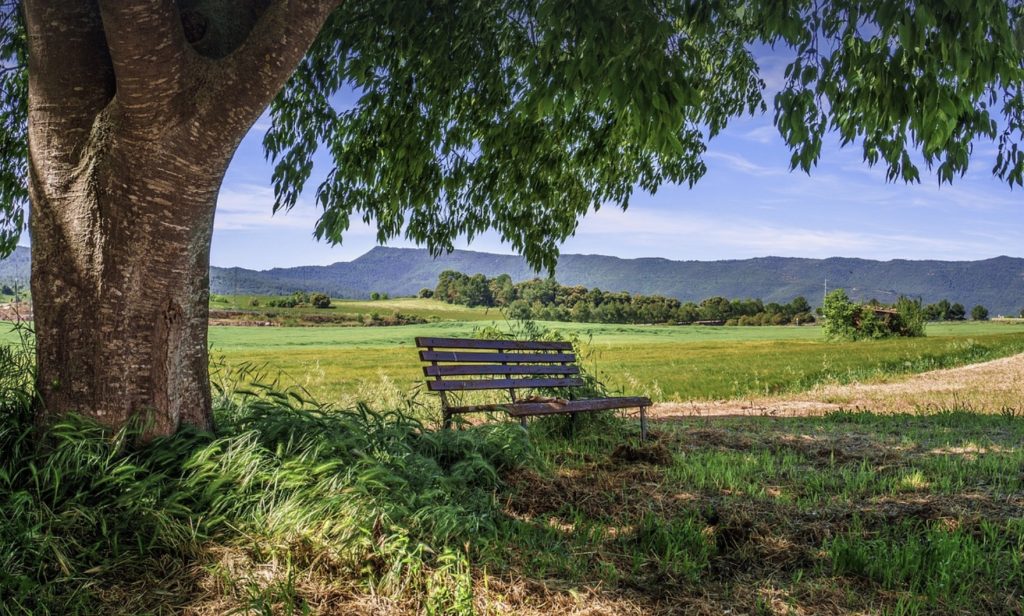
911,317
375,296
845,320
320,300
979,313
425,293
840,315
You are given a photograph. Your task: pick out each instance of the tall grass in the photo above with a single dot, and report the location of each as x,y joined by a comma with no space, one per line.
91,521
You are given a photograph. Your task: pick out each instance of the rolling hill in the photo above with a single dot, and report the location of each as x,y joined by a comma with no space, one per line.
995,283
16,267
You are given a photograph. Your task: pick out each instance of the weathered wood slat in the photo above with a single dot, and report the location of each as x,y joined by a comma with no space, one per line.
467,385
527,409
497,358
469,369
505,345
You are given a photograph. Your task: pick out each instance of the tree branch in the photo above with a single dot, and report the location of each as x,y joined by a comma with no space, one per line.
70,75
250,77
149,54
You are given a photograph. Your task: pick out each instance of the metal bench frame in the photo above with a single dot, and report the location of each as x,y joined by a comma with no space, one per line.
512,365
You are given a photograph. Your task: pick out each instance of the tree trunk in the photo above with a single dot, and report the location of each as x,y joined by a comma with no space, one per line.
134,112
120,262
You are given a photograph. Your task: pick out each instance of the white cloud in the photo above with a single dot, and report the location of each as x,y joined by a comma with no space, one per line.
685,235
247,207
763,134
745,165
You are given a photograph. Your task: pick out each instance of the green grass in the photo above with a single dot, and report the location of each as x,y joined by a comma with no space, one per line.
665,362
428,309
295,507
917,513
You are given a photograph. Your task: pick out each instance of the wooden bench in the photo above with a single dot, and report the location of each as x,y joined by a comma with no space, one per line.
514,366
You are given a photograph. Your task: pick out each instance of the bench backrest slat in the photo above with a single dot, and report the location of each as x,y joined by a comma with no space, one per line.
460,385
484,369
497,358
505,345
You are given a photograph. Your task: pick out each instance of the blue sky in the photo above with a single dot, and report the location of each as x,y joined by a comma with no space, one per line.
748,205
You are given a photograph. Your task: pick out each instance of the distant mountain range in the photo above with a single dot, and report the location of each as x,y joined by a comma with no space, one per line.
16,267
995,283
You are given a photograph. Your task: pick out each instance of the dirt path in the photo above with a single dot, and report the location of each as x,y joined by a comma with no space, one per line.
990,386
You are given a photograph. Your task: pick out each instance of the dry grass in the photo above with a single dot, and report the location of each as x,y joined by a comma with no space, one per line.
992,386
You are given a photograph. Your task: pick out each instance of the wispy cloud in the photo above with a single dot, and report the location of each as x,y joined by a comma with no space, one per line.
685,235
246,207
742,164
763,134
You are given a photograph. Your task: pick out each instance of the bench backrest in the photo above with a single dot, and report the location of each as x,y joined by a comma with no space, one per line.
497,364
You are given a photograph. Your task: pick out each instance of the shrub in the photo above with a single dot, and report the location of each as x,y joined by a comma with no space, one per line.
848,321
979,313
320,300
840,316
912,317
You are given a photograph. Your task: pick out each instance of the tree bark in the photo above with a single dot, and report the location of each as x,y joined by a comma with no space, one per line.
131,130
120,262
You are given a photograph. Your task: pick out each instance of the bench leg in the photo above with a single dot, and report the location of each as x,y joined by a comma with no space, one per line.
447,424
643,423
522,422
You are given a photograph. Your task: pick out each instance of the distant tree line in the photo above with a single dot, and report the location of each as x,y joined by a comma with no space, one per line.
944,310
298,299
545,299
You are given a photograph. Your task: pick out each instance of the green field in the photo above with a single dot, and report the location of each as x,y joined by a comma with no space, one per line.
667,363
345,364
423,308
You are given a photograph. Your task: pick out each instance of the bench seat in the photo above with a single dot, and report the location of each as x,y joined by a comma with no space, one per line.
528,409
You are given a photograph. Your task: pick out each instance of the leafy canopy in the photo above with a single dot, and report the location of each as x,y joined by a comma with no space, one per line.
13,127
523,115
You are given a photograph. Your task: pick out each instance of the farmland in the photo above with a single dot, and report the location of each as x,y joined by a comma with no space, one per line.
669,363
665,362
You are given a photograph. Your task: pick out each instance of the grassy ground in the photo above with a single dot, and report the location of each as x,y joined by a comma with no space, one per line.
298,512
294,508
850,513
424,308
667,363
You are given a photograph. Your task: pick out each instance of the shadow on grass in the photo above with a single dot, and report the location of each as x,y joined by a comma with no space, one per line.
294,507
